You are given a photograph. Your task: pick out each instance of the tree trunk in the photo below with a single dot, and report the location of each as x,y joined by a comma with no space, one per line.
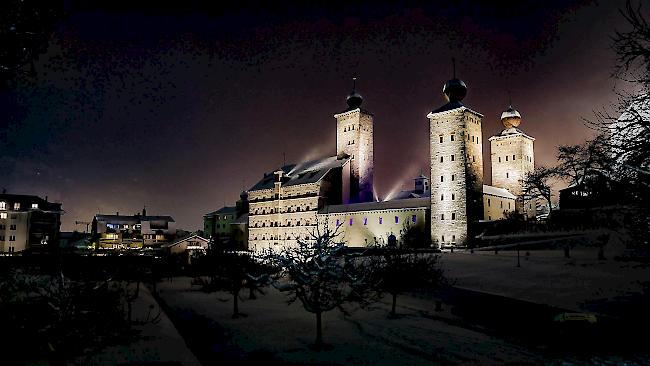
235,309
392,311
319,330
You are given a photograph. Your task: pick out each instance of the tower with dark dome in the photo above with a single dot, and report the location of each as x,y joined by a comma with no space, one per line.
456,160
512,156
354,137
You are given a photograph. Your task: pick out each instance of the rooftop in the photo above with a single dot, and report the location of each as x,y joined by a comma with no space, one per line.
424,203
302,173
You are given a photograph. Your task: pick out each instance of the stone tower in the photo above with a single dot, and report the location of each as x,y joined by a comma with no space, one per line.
456,167
354,137
512,156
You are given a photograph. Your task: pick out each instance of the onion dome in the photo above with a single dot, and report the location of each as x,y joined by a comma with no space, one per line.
355,99
454,90
510,117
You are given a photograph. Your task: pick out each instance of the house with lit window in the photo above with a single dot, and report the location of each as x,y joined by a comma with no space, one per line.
132,231
28,222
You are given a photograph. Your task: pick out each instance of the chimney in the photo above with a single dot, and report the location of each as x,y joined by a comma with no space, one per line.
45,198
144,211
117,213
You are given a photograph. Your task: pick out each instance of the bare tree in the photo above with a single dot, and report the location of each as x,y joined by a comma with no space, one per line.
397,270
537,184
318,273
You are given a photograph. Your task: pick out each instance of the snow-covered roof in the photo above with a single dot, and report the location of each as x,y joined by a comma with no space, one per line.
376,206
178,241
510,113
131,218
498,192
302,173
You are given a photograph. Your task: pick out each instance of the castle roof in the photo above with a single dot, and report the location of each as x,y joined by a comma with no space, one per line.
498,192
302,173
423,203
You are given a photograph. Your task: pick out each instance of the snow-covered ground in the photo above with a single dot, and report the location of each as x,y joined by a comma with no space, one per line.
546,277
158,342
366,337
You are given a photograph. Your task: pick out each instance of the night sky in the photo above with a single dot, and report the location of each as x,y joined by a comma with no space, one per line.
180,108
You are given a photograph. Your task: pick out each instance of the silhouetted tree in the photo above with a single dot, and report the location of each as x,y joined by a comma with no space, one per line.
397,270
318,273
537,184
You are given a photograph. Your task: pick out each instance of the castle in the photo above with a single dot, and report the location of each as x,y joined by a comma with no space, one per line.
291,201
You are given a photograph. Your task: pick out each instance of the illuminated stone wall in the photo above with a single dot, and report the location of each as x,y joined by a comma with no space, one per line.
354,137
456,174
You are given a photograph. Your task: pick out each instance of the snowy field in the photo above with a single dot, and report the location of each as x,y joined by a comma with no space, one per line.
419,336
547,277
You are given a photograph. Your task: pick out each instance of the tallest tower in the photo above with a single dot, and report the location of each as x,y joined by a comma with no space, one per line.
456,160
354,137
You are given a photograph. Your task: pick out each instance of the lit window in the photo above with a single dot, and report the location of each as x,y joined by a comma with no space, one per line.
34,205
111,236
17,206
3,205
3,215
414,217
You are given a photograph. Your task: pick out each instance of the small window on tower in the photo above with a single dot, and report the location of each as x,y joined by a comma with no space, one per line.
453,196
452,137
453,216
501,204
506,157
453,177
452,158
473,158
442,197
350,221
440,138
414,219
396,219
513,157
380,220
441,159
442,216
365,221
507,175
488,202
442,178
499,159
